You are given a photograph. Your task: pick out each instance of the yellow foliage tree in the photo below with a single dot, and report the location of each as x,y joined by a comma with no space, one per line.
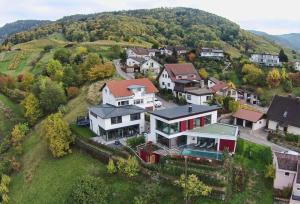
32,110
58,135
203,73
4,190
27,80
18,133
273,78
101,71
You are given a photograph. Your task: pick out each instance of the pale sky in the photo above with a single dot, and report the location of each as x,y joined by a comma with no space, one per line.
272,16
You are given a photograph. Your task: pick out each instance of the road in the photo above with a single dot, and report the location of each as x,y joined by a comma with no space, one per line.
165,104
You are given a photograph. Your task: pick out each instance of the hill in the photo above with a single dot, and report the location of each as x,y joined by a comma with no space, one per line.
19,26
291,40
173,26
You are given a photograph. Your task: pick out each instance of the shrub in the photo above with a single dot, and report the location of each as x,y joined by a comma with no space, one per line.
132,167
111,168
291,137
135,141
72,92
270,171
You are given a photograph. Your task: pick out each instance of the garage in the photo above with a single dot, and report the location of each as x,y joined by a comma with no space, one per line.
249,119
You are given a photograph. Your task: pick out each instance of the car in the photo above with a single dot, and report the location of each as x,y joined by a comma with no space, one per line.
157,103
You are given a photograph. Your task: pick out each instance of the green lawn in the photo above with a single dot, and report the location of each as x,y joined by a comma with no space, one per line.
82,131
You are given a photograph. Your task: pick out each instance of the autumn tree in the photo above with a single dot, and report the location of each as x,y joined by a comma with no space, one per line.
203,73
132,167
27,81
58,135
252,75
4,188
55,70
192,186
18,133
233,106
32,110
91,60
273,78
101,71
111,168
72,92
62,55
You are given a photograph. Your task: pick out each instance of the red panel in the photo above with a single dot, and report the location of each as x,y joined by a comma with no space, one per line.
229,144
191,124
182,126
202,121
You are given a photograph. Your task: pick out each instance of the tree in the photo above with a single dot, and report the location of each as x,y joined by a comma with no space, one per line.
90,190
132,167
270,171
287,86
62,55
203,73
4,190
101,71
72,92
55,70
28,80
282,56
111,168
192,186
52,95
233,106
18,133
58,135
32,110
284,75
252,75
71,76
273,78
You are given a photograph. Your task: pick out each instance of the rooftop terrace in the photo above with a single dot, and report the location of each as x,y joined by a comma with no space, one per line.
217,129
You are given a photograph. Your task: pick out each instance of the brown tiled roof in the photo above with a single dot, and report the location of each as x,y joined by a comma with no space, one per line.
119,88
213,79
249,115
221,85
182,70
287,162
140,51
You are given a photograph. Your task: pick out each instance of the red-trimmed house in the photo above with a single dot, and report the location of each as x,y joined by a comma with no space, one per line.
192,126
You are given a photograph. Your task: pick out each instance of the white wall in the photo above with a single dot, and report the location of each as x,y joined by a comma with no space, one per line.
272,125
259,124
164,80
210,83
198,100
131,62
281,180
293,130
107,97
150,65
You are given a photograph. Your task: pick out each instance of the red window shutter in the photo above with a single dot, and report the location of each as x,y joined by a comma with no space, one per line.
191,124
202,121
227,144
182,126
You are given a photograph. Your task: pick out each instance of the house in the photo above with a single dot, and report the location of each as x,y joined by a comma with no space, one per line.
193,128
141,52
297,66
288,173
249,118
137,64
283,114
139,92
248,96
168,50
223,89
265,59
211,53
212,81
113,122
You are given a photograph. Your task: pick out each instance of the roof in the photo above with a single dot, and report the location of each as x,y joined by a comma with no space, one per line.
200,91
217,129
213,79
182,70
138,59
285,110
120,88
206,49
286,161
248,115
219,86
106,111
140,51
183,111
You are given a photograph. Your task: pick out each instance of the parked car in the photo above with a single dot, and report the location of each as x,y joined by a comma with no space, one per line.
157,103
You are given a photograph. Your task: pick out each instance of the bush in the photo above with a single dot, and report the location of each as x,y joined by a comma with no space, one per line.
90,190
291,137
135,141
72,92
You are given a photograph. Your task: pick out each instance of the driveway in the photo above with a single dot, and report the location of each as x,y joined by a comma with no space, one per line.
165,104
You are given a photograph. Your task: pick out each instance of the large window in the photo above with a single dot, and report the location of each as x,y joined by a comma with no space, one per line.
197,122
135,116
123,103
207,119
116,120
138,101
167,128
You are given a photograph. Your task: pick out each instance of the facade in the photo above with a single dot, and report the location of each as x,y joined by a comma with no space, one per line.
150,66
249,118
139,92
113,122
168,50
265,59
288,173
211,53
191,125
141,53
137,64
211,82
297,66
248,96
222,89
283,115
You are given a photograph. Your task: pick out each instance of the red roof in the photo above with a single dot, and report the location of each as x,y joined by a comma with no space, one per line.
186,69
249,115
221,85
120,88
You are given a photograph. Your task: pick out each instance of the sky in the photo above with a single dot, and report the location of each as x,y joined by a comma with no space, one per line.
263,15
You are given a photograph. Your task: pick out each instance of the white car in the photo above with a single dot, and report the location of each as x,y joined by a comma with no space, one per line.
157,103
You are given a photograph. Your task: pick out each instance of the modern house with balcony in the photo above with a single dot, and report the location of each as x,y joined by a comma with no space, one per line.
139,92
192,127
113,122
211,53
265,59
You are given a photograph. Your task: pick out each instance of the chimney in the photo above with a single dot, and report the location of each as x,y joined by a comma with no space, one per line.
190,108
202,83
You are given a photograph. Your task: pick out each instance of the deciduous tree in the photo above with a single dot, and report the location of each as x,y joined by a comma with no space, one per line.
273,78
252,75
101,71
203,73
32,110
55,70
18,133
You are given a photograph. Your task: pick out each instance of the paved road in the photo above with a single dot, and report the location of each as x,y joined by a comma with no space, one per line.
165,104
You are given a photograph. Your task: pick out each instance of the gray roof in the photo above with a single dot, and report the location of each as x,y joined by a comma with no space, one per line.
138,59
183,111
106,111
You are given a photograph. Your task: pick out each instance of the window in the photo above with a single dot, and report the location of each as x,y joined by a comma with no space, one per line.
197,122
208,98
169,84
123,103
135,116
179,77
287,173
207,119
188,97
116,120
138,101
163,83
167,128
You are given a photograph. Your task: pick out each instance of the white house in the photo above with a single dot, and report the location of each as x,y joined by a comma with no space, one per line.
248,96
134,61
212,81
249,118
211,53
141,52
287,173
139,92
112,122
297,66
265,59
137,64
193,127
223,89
283,114
168,50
